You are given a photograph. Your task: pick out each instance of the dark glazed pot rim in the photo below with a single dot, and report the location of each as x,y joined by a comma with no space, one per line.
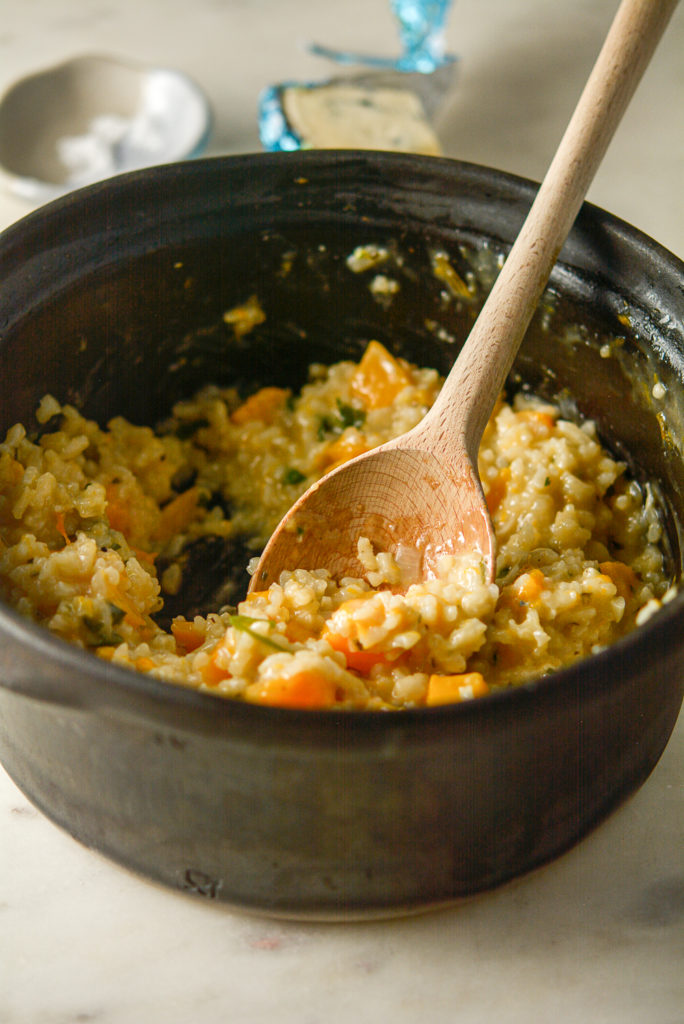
63,218
98,684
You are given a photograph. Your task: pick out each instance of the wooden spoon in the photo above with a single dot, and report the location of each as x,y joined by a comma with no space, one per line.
419,495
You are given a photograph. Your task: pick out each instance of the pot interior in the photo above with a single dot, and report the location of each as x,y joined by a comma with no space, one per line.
121,309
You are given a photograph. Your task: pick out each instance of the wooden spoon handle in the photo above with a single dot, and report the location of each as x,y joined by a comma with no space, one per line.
475,381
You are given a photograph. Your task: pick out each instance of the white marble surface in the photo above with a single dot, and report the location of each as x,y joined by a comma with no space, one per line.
595,937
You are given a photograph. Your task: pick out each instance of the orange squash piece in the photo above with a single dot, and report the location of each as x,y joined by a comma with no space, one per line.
358,660
526,590
123,602
177,515
379,377
186,634
144,664
542,422
61,528
118,510
213,673
307,690
455,688
623,576
262,406
497,490
340,451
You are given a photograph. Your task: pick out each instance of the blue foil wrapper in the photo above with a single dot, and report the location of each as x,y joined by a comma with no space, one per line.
422,66
275,132
421,32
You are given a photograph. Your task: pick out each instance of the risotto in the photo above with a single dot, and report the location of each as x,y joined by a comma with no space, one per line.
100,526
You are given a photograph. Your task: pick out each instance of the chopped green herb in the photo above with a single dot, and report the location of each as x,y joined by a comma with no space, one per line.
547,481
293,476
115,612
347,416
246,624
350,416
325,426
99,634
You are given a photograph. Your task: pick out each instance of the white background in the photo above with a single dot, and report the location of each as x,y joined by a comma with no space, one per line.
596,937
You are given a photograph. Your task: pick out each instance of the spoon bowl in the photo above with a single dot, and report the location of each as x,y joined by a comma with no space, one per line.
407,496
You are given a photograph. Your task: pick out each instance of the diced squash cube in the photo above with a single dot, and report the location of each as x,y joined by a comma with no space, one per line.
623,576
346,447
455,688
308,690
177,515
379,377
262,406
186,634
497,490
